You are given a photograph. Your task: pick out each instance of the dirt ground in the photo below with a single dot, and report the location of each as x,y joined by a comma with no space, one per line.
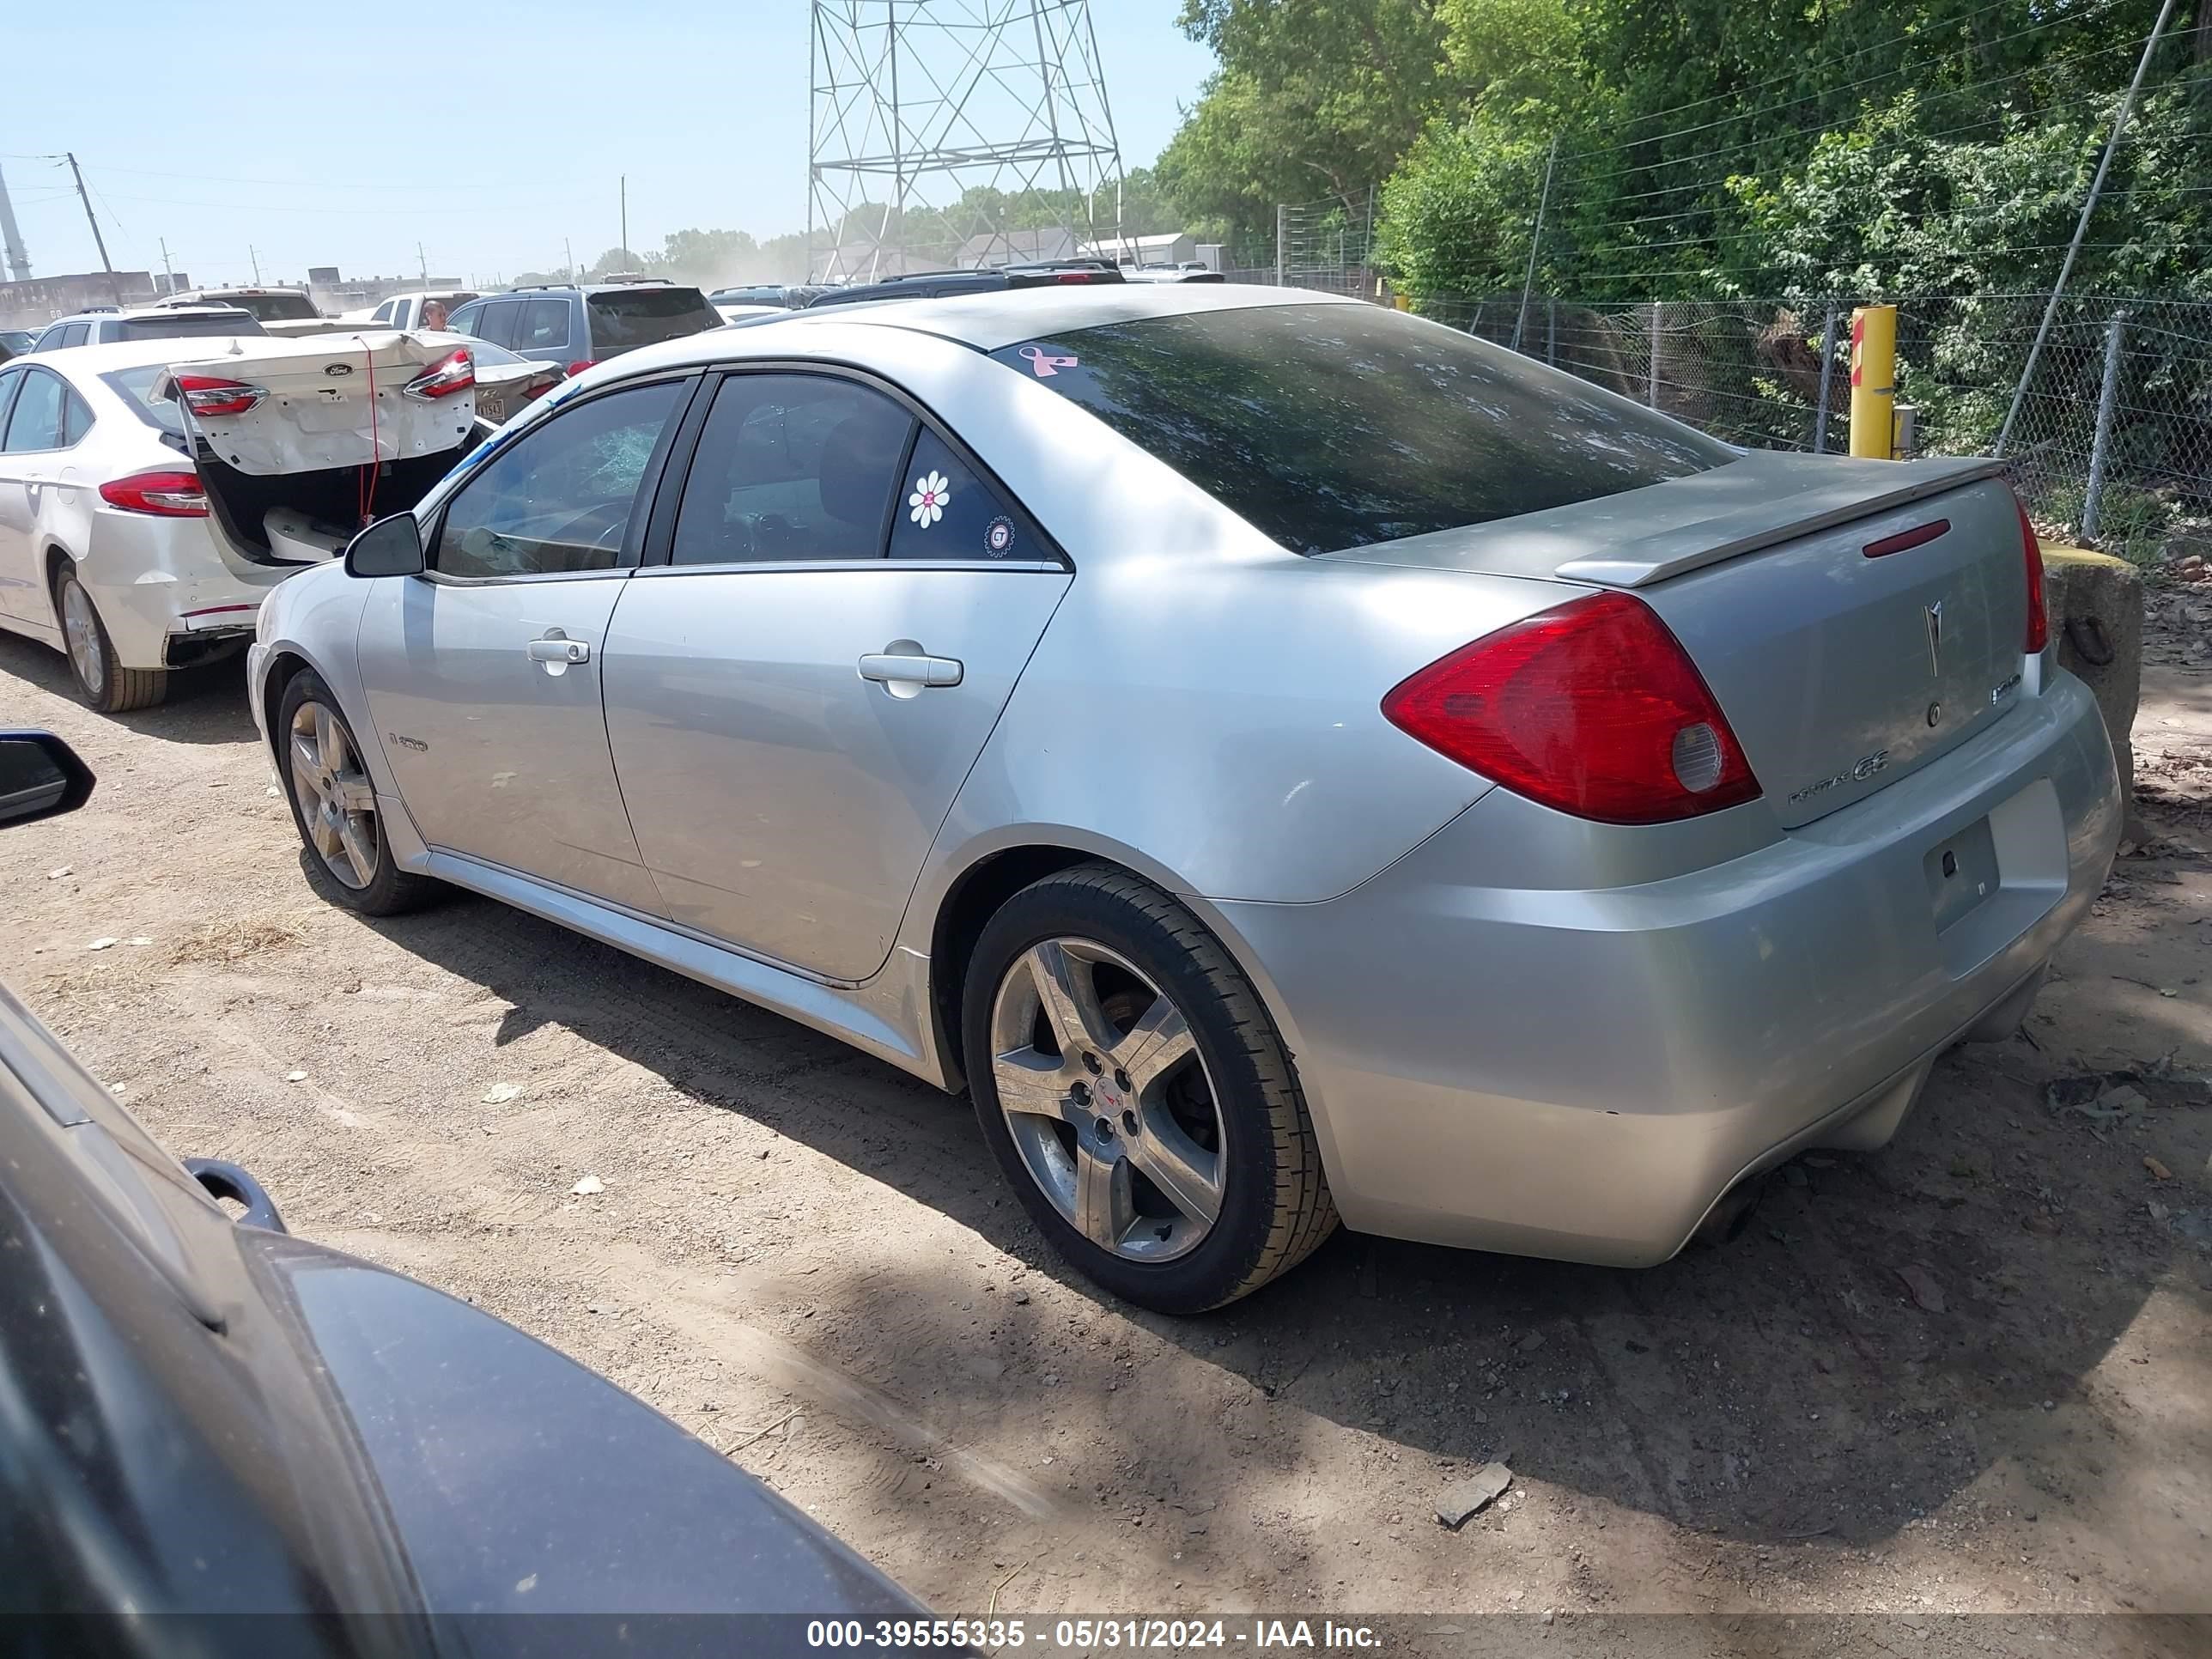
808,1259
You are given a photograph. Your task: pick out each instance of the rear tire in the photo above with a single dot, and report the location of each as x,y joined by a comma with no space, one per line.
1173,1097
102,681
348,859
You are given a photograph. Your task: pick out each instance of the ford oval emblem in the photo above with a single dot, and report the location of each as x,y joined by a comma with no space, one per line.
337,371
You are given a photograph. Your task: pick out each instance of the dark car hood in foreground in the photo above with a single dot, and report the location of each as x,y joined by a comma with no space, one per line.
204,1419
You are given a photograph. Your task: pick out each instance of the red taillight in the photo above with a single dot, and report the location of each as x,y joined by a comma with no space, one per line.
204,394
1074,277
578,368
164,495
2038,614
1591,707
455,372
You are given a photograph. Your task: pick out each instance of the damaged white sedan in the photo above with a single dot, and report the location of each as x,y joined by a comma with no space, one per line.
152,492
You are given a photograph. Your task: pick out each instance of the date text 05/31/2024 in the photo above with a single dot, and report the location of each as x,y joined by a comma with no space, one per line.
1091,1635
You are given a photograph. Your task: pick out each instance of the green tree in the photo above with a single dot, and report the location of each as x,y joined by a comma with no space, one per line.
1313,98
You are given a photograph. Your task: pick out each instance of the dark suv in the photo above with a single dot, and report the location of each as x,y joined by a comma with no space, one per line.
562,323
931,284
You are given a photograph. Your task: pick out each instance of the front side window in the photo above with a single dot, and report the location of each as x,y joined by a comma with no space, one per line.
945,511
35,422
792,466
562,498
1334,426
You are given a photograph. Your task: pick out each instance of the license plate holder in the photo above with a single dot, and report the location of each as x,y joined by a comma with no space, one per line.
1962,874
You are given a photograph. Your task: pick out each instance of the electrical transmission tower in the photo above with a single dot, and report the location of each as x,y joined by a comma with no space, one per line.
956,133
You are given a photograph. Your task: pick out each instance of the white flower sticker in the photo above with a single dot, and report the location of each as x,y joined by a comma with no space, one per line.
931,492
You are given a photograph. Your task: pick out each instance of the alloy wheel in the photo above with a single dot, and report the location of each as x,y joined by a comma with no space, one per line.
1108,1100
338,802
81,628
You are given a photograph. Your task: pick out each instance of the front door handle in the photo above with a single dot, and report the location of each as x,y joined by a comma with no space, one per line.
899,668
555,648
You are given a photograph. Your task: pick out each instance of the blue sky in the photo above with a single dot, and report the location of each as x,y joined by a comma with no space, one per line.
305,132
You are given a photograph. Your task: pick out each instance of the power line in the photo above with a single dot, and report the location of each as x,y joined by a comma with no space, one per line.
2042,68
1860,52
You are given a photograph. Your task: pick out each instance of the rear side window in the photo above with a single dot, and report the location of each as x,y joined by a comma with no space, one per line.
1335,426
946,512
544,326
627,318
792,466
136,387
76,418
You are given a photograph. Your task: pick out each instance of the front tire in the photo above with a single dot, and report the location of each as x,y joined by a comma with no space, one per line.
1136,1093
348,857
100,679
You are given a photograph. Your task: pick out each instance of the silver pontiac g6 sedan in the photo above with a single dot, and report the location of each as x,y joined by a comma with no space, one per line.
1288,759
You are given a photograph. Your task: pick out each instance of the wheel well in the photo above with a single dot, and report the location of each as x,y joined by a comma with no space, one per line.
967,909
57,559
283,667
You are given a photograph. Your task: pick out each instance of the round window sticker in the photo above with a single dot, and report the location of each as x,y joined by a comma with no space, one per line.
999,537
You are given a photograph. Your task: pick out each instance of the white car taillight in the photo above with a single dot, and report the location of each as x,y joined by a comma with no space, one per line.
449,375
204,394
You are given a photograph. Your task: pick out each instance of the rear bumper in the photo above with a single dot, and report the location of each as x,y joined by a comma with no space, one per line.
1581,1072
165,591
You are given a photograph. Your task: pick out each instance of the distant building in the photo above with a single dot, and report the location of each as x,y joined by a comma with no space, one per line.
1170,247
34,303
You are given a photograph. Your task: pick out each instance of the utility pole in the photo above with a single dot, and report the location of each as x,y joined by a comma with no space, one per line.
256,257
422,264
98,240
11,241
169,277
625,213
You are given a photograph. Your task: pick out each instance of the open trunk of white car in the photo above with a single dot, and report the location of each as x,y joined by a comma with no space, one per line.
300,442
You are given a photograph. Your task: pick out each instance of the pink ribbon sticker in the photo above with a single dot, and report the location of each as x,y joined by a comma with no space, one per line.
1045,363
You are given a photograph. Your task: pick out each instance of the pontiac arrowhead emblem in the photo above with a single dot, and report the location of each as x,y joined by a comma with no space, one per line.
1936,639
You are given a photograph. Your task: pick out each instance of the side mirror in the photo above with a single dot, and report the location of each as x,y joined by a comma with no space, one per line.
39,776
389,547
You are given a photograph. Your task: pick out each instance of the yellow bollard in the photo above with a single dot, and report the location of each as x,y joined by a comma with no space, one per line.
1874,382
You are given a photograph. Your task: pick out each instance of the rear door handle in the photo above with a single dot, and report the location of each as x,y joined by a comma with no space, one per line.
886,668
554,648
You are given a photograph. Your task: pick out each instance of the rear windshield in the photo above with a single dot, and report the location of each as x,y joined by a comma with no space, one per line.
639,316
275,307
1334,426
181,324
136,387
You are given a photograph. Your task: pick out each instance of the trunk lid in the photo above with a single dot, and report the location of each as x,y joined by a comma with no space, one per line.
318,397
1839,670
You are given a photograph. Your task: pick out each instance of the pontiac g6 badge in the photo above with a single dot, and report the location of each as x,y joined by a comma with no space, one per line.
1865,769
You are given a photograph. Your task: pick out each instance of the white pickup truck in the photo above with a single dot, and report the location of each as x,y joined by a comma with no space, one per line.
404,311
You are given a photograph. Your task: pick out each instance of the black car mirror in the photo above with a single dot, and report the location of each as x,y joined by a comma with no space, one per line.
39,776
389,547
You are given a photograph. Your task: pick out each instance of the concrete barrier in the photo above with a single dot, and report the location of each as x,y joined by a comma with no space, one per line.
2096,603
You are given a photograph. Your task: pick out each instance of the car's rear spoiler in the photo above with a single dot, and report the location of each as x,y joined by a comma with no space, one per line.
1691,546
